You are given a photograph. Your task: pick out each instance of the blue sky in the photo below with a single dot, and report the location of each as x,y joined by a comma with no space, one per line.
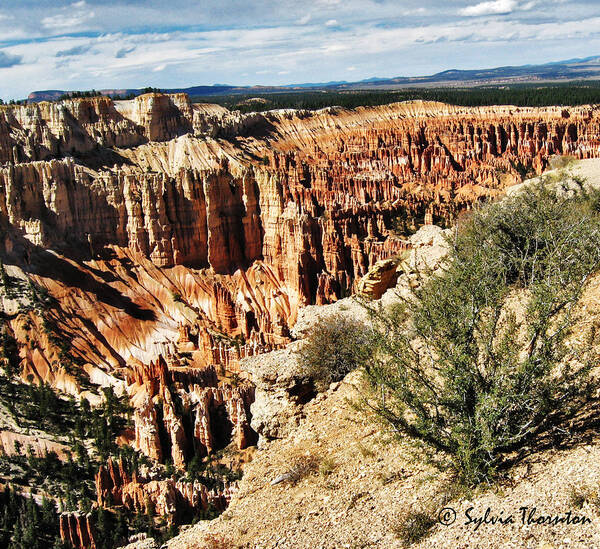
84,44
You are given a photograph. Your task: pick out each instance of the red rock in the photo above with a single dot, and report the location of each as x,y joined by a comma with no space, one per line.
77,530
196,236
170,498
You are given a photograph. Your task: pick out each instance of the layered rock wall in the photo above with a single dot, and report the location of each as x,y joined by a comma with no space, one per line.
166,242
190,234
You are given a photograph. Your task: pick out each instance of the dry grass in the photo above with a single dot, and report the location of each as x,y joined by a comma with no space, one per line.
579,495
364,451
302,465
413,526
327,466
213,541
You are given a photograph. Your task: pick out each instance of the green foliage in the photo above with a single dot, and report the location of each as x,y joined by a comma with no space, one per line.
111,527
104,423
176,296
210,472
479,361
26,525
40,406
414,526
79,94
520,95
9,353
67,481
525,171
334,346
4,278
123,97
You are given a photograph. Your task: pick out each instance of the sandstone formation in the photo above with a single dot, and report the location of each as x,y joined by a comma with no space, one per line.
170,499
379,278
77,530
157,246
217,414
428,248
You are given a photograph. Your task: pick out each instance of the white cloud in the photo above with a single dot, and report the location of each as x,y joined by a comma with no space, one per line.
494,7
288,43
331,23
68,17
64,22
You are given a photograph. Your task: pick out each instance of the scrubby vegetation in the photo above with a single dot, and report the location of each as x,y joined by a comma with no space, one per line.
482,357
71,480
414,526
302,466
334,346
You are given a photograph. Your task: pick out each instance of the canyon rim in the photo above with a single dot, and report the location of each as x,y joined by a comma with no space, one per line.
200,284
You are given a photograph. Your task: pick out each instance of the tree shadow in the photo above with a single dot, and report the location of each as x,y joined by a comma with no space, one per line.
562,432
101,158
52,266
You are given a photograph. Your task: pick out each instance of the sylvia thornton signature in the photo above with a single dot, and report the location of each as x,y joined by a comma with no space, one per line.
526,516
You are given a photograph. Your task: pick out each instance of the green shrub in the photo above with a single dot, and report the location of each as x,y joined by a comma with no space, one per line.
479,360
335,346
413,527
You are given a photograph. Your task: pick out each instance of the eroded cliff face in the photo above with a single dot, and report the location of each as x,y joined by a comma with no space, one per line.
164,242
243,218
169,498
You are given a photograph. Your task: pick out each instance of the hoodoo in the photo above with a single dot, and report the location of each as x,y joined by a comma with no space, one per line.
151,244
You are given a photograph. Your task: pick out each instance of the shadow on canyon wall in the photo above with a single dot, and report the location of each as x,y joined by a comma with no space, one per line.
72,272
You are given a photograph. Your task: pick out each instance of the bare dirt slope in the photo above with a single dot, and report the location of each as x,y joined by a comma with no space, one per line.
361,486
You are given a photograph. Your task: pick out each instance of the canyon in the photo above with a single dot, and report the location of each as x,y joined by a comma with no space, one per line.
155,245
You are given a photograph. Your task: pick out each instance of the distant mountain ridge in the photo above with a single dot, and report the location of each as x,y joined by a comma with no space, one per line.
557,71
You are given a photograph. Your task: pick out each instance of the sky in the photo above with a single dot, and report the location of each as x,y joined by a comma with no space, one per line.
85,44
